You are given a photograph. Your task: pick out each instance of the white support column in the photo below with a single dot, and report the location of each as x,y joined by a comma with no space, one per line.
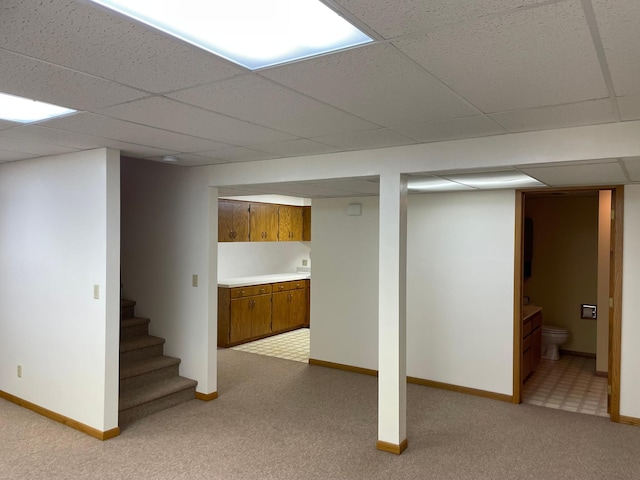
392,314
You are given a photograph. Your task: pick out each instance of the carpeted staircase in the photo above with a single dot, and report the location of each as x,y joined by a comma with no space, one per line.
149,380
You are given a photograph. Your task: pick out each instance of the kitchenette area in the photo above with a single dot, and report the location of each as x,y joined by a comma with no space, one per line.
264,267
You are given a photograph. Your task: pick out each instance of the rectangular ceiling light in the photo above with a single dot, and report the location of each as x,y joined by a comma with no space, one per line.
251,33
25,110
491,180
434,184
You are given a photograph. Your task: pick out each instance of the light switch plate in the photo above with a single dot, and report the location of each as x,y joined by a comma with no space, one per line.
194,280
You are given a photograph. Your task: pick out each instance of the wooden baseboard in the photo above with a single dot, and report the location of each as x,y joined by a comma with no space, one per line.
392,447
630,420
100,435
340,366
206,397
456,388
418,381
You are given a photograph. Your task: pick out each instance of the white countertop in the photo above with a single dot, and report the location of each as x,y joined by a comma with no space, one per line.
261,279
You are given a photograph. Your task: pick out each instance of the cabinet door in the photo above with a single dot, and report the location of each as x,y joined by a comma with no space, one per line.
233,221
261,316
281,311
263,222
536,348
306,224
298,313
240,325
290,223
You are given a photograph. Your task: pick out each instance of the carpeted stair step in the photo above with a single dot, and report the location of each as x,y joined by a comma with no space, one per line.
134,326
127,308
137,348
147,371
147,399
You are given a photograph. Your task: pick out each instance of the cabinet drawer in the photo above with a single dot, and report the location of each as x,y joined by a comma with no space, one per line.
536,321
526,344
239,292
284,286
526,327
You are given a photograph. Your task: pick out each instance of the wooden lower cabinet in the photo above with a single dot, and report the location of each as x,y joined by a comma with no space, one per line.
531,344
248,313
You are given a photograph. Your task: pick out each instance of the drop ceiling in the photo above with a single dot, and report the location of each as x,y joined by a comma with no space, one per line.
438,70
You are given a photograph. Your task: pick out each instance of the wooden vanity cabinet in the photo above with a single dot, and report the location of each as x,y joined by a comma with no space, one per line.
233,221
290,220
289,305
263,219
531,344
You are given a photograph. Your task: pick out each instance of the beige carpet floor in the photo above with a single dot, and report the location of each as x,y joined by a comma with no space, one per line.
277,419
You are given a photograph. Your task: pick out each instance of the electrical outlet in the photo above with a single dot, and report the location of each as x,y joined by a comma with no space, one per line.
304,262
194,280
96,292
19,371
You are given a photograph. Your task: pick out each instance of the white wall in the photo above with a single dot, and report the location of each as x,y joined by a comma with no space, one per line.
630,358
460,251
244,259
344,287
59,236
169,232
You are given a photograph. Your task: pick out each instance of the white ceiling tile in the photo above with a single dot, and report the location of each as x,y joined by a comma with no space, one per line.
31,147
43,81
237,154
629,107
392,19
376,83
468,127
296,148
94,40
591,112
192,159
177,117
378,138
5,124
564,175
108,127
537,57
11,156
260,101
619,27
632,165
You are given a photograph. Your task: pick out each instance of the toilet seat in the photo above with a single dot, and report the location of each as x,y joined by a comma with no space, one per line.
553,329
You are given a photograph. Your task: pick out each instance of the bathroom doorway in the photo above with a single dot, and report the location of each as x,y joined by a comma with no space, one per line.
571,382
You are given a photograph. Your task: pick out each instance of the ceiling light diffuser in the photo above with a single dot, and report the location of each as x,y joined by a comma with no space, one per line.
505,179
25,110
434,184
252,33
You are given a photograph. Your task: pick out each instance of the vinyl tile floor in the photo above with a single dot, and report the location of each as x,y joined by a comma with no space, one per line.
568,384
292,345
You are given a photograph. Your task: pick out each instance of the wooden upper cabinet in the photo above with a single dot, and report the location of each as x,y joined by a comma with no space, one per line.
233,221
290,223
306,224
263,222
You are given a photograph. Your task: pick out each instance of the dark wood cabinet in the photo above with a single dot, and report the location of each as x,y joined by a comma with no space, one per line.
233,221
290,223
306,224
531,342
248,313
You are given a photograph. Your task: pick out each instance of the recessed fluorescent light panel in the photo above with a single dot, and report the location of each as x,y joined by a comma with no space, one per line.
251,33
433,184
506,179
25,110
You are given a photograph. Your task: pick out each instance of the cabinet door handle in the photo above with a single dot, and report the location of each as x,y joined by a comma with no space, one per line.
230,234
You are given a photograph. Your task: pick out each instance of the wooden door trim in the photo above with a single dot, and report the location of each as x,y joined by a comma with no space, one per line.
615,320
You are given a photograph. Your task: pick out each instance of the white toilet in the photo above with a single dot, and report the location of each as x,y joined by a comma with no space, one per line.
552,338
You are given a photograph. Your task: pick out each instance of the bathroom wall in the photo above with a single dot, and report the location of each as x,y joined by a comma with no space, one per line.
565,263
